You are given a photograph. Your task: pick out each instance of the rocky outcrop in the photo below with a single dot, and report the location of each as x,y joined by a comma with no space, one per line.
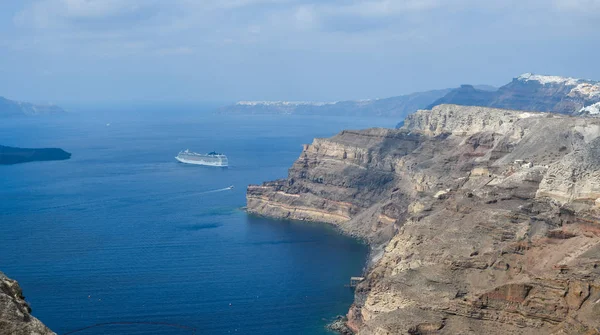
339,179
481,220
531,92
11,155
15,313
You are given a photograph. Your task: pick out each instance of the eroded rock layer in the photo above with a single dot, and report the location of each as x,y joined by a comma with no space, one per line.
481,220
15,317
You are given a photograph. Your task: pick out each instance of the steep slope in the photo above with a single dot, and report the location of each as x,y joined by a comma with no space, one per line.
399,106
10,108
531,93
481,220
15,317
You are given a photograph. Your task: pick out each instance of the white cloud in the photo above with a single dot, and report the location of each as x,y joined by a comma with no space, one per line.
98,8
340,43
56,13
229,4
308,24
305,18
584,6
254,29
382,8
181,50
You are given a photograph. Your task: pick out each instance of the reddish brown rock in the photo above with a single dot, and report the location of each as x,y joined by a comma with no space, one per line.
481,221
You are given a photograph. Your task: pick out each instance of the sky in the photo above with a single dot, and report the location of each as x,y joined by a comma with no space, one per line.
92,51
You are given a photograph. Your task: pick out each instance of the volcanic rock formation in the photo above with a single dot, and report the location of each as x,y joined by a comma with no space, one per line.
481,220
15,313
532,92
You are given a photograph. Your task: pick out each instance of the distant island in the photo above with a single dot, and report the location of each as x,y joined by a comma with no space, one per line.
398,106
12,108
527,92
11,155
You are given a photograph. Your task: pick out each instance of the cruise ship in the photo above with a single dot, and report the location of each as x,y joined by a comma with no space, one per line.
210,159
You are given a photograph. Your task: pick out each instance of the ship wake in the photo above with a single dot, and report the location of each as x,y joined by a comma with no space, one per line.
225,189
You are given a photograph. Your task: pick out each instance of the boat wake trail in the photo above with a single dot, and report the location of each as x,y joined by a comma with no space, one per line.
205,192
218,190
152,197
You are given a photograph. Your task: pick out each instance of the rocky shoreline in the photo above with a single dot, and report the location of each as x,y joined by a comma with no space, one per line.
15,313
339,325
480,220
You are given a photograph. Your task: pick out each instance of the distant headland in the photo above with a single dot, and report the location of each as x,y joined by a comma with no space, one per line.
11,108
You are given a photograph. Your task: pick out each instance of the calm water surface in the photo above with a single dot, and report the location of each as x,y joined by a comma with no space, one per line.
122,232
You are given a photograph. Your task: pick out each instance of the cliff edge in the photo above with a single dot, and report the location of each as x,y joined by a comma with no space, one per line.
533,92
481,220
15,313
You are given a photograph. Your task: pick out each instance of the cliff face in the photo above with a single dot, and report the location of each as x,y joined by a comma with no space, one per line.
338,180
482,220
15,317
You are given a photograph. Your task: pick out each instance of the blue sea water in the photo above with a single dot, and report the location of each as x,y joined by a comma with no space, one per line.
124,233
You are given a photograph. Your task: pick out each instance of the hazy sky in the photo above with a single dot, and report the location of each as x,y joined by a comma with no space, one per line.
226,50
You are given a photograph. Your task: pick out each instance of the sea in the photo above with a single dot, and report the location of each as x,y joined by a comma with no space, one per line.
123,239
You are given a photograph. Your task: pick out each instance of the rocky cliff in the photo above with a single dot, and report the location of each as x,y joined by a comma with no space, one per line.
481,220
532,92
15,313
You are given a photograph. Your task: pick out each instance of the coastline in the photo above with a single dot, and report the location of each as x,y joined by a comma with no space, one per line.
340,323
455,206
205,226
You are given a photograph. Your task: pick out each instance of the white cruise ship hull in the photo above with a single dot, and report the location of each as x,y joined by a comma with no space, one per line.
199,162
